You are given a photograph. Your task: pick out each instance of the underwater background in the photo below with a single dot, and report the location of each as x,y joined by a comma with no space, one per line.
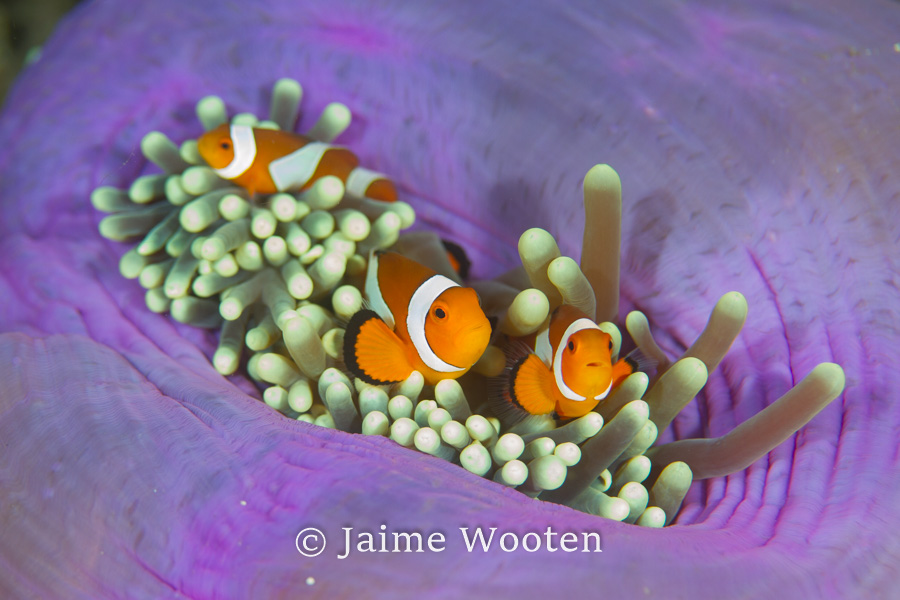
24,26
757,147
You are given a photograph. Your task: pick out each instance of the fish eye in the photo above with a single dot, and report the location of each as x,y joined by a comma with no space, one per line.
610,344
571,346
225,145
439,313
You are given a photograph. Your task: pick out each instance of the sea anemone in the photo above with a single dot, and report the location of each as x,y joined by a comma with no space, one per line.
215,256
127,454
208,252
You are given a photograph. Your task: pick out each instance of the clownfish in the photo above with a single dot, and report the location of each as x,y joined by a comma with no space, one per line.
270,160
458,258
416,320
566,369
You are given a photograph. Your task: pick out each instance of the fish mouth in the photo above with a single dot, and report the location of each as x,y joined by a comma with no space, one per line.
477,336
476,328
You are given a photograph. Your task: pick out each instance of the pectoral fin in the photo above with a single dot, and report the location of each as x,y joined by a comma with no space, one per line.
373,352
635,361
524,389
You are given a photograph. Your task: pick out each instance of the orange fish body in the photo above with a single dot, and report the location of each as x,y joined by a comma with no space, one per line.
267,161
568,371
418,320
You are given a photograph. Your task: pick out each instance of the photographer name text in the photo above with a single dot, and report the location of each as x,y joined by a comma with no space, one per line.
311,541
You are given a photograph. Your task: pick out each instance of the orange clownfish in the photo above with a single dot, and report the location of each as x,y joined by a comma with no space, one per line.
416,320
567,369
458,258
270,160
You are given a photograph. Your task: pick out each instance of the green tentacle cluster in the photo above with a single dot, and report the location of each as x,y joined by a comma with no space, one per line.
279,274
